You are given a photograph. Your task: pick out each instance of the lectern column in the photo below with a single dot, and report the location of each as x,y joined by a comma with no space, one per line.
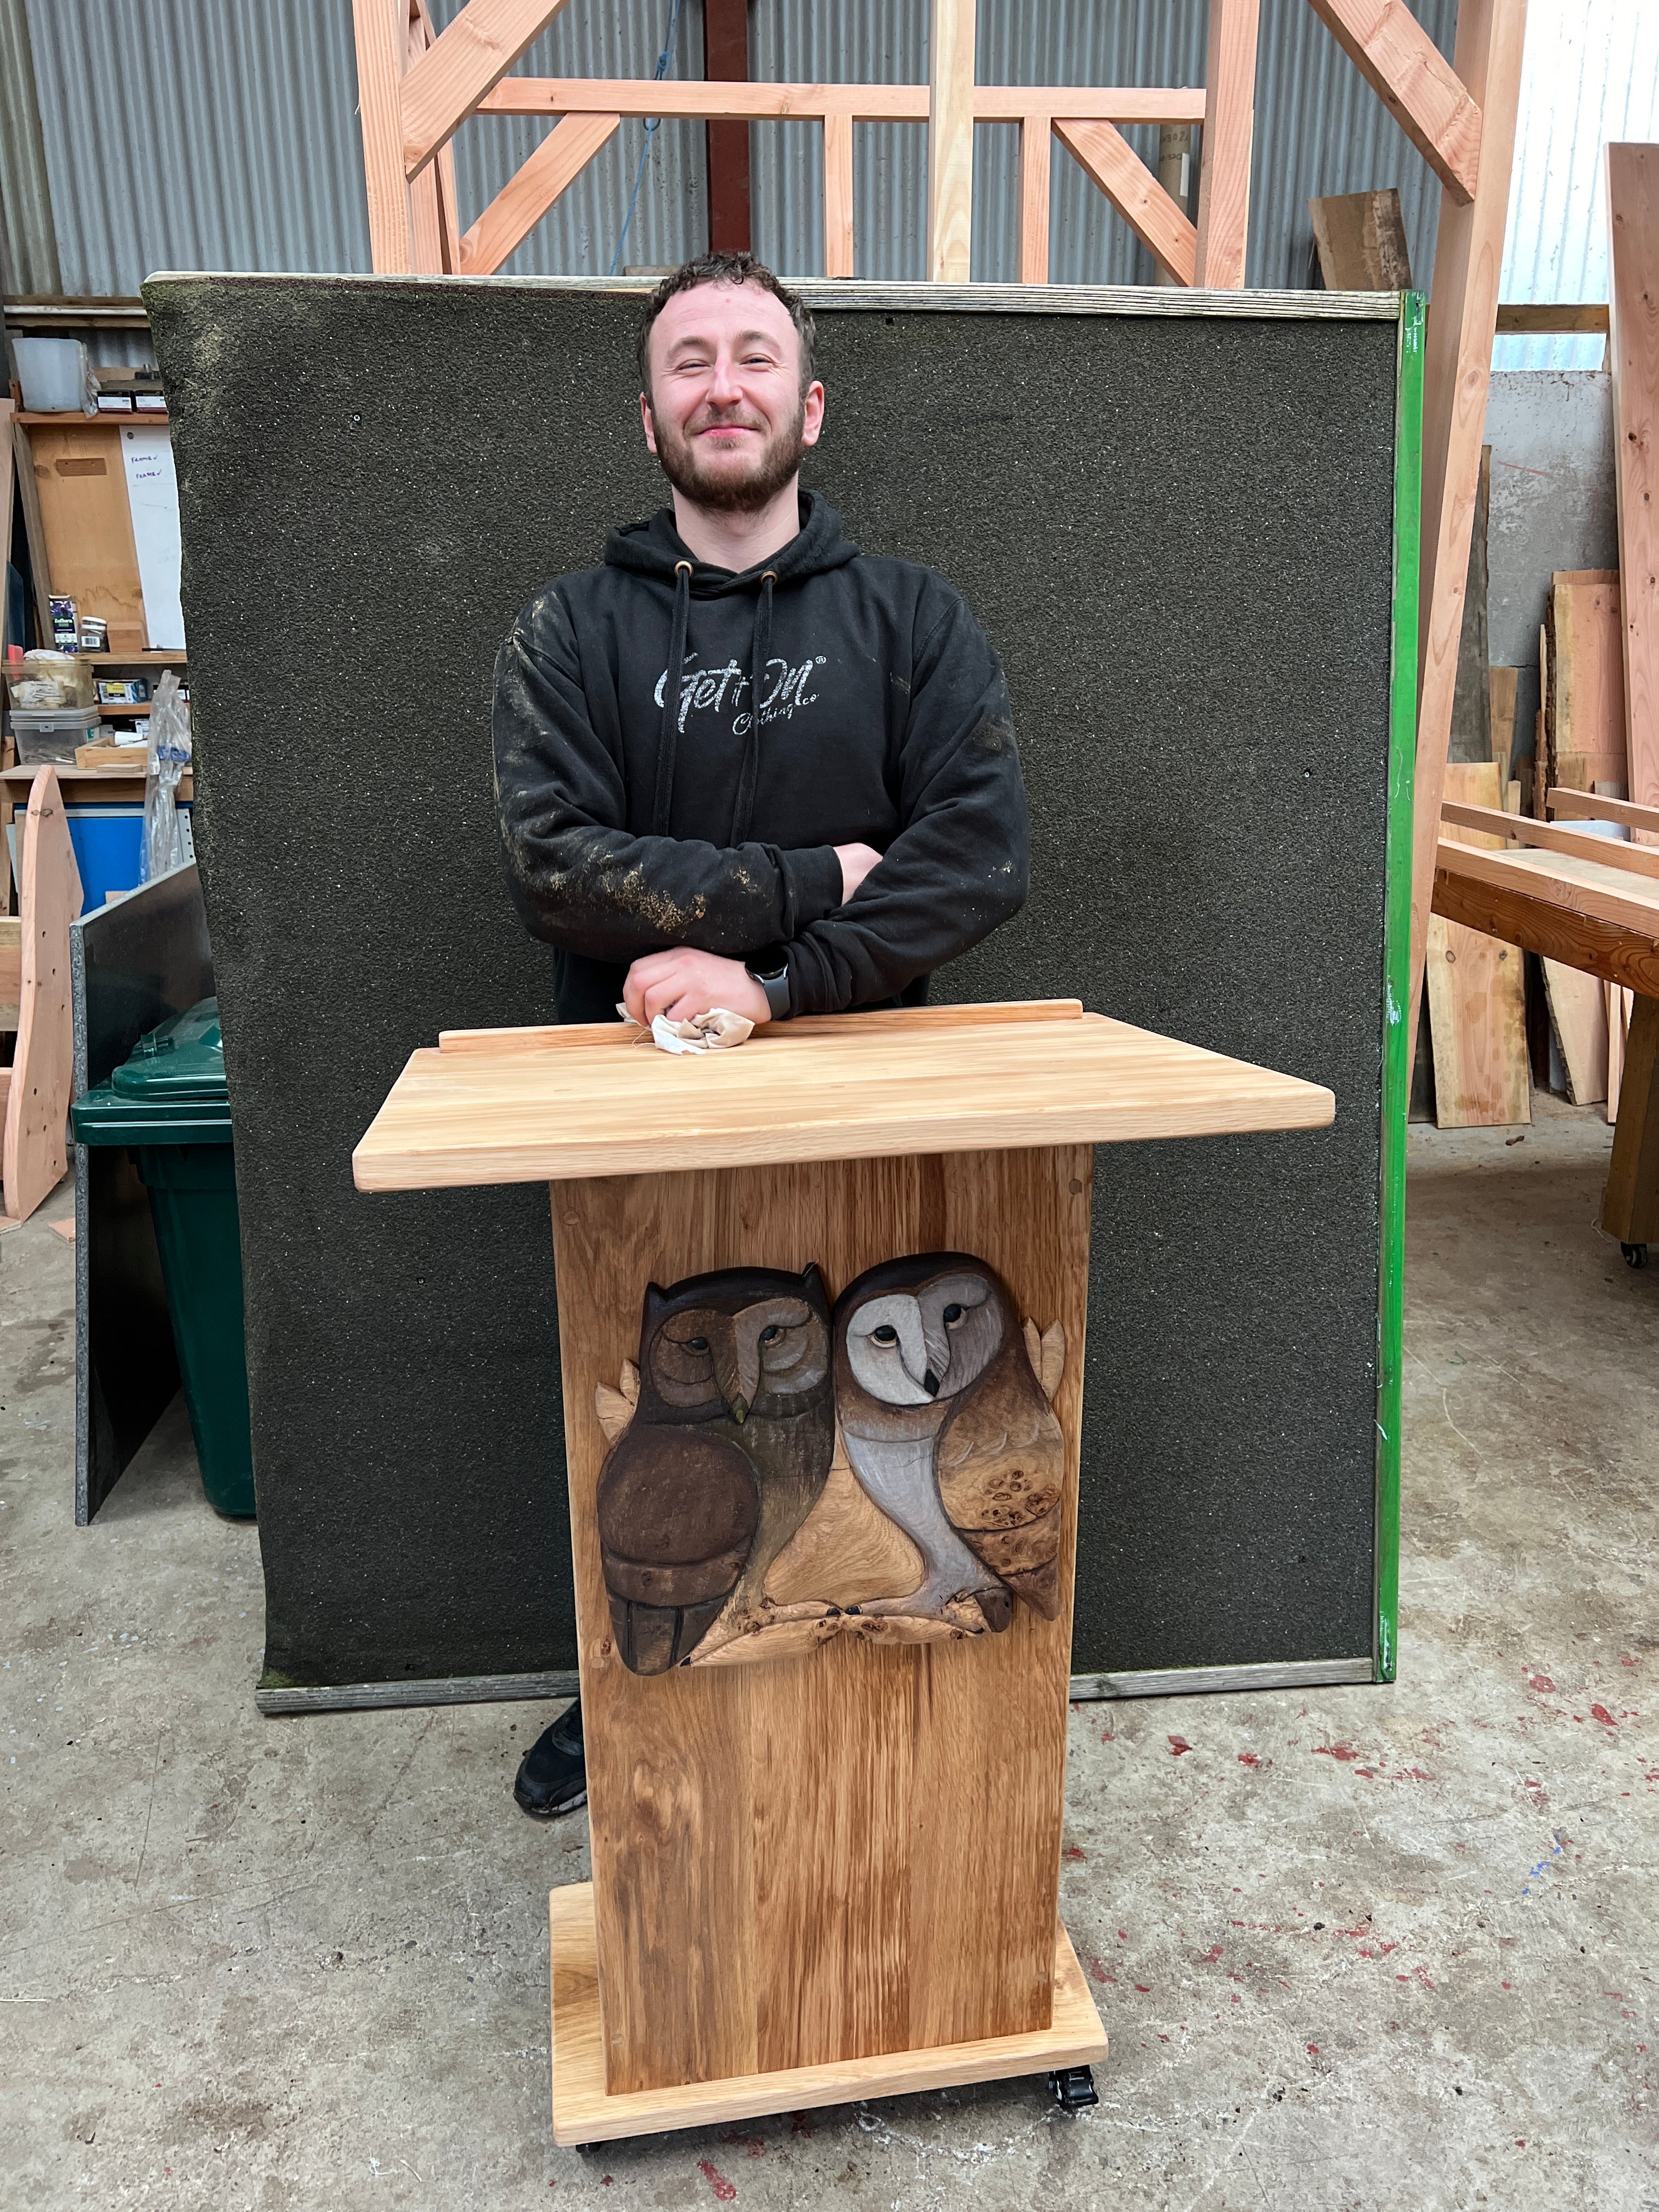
853,1849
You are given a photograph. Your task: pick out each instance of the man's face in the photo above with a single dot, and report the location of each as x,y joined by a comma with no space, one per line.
725,414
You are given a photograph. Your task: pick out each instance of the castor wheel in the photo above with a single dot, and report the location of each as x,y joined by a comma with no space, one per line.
1636,1255
1074,2088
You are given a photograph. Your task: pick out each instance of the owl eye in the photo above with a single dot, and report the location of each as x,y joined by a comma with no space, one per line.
696,1344
771,1334
952,1316
886,1334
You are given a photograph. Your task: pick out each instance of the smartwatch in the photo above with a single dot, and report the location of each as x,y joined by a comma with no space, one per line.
770,970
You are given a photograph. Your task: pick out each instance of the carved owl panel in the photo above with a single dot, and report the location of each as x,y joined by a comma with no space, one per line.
726,1454
948,1429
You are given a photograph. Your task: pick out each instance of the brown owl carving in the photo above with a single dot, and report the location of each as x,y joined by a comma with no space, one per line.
950,1431
726,1454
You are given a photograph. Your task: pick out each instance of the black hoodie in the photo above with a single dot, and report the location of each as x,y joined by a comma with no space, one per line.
637,815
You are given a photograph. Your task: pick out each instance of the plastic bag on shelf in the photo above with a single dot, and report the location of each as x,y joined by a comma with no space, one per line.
164,845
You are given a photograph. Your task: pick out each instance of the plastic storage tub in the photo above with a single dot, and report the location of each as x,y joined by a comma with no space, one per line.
169,1105
55,374
50,734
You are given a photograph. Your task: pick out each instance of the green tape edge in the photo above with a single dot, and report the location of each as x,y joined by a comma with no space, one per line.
1396,964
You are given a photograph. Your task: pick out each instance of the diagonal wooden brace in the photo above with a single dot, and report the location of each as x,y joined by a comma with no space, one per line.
1112,163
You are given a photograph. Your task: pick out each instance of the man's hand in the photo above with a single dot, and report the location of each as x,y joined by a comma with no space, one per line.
682,983
856,862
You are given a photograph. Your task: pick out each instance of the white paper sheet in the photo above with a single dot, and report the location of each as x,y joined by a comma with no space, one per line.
153,496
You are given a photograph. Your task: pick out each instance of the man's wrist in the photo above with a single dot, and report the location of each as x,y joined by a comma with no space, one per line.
770,970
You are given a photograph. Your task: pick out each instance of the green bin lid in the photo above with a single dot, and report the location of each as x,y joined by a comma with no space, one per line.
170,1090
183,1061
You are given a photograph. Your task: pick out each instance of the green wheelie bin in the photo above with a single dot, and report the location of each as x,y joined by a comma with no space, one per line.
169,1105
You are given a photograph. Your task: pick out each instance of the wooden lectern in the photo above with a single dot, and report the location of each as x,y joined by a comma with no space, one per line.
825,1850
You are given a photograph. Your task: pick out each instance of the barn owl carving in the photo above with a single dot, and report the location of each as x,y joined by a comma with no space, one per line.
949,1430
726,1454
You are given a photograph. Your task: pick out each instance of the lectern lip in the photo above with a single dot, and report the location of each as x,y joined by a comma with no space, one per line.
538,1111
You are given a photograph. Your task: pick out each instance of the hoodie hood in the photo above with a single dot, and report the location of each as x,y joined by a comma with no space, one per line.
655,549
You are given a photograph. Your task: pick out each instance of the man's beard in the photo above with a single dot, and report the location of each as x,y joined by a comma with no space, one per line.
724,492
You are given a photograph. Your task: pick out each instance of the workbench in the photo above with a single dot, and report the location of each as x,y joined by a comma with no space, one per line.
1562,900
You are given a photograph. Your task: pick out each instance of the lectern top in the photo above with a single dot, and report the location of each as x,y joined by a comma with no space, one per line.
544,1105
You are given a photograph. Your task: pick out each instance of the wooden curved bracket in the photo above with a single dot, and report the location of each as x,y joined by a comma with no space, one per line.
36,1157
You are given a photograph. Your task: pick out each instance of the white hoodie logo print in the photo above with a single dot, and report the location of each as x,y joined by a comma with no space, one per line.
703,689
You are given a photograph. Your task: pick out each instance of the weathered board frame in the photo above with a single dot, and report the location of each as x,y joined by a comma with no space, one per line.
298,1693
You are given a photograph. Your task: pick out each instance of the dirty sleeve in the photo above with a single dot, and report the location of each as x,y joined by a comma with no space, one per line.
961,863
580,878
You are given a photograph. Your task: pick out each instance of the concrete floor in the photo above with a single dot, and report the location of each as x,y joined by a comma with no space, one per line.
1355,1948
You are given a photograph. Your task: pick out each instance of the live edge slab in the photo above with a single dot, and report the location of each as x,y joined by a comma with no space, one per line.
835,1875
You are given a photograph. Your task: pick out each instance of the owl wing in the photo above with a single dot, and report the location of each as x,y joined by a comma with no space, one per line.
676,1511
1001,1473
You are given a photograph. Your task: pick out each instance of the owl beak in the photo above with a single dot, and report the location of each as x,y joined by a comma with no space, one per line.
930,1384
738,1377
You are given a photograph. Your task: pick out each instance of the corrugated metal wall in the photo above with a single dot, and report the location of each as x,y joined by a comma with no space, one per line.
1591,75
28,249
223,134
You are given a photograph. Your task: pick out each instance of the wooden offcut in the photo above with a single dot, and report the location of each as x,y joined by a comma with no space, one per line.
1620,1004
1583,678
1360,238
1633,354
584,2112
1578,1022
35,1158
1503,684
1476,995
1470,739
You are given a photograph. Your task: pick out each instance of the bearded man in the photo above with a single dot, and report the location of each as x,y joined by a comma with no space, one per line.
742,763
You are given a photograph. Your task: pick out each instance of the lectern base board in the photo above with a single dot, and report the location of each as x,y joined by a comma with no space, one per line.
583,2113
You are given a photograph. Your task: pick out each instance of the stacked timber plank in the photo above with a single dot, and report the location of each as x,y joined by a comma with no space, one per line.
1582,683
1633,355
1477,1008
1582,748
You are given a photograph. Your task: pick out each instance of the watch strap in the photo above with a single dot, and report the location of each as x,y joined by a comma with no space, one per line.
774,980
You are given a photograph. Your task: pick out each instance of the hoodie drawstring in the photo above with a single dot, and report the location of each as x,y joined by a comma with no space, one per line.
668,735
743,805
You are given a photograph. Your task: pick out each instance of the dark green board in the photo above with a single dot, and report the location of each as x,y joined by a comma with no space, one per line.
1179,530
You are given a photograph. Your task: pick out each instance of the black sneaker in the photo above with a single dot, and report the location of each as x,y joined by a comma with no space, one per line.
552,1776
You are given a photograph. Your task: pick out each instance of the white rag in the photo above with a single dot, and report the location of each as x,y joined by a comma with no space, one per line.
718,1030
